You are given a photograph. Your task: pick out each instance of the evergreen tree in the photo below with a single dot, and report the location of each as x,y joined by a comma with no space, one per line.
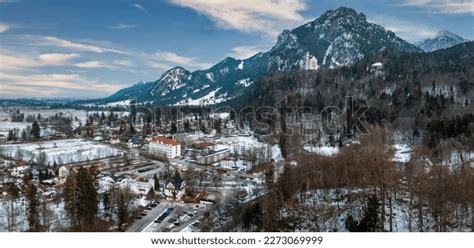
32,205
71,197
151,195
87,207
23,135
122,208
106,201
174,128
156,183
35,130
371,220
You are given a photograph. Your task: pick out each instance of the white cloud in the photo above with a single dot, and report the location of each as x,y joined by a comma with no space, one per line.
173,57
27,72
160,66
94,64
14,61
57,42
114,65
176,59
57,58
138,6
243,52
409,31
48,84
263,16
122,26
3,27
125,63
443,6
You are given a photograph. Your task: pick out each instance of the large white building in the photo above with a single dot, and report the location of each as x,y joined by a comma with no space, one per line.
309,63
164,147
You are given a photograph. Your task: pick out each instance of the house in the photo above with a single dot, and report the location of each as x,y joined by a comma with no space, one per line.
114,141
63,173
205,147
175,187
377,68
164,147
3,138
214,156
137,185
134,142
106,183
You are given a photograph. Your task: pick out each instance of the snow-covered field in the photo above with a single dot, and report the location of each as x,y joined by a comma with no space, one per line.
78,116
5,126
241,144
62,151
322,150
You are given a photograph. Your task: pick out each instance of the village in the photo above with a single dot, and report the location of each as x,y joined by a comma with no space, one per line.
188,175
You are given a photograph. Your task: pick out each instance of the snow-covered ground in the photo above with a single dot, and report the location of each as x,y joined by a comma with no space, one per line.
210,98
54,211
402,153
326,210
242,144
78,116
62,151
322,150
6,126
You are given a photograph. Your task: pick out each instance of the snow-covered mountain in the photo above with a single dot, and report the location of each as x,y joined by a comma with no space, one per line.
337,38
444,39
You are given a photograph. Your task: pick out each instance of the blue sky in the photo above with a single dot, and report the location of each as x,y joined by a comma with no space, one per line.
91,48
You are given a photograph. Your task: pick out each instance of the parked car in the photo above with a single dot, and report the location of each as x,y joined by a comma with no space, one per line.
171,220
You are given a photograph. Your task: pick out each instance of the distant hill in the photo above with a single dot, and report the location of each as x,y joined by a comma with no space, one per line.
444,39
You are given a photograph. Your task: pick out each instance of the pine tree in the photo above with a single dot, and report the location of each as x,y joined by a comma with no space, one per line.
23,135
33,203
35,130
156,183
87,207
122,207
174,128
71,197
151,195
370,221
106,201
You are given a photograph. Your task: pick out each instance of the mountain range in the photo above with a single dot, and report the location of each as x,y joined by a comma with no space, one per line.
444,39
337,38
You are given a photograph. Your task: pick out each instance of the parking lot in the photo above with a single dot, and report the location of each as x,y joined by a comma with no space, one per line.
169,217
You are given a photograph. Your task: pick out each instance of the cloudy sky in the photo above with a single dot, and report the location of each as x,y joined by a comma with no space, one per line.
91,48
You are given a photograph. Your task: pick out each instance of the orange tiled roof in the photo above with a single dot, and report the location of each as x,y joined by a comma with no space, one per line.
165,140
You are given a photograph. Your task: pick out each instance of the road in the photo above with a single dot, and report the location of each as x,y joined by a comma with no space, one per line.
140,224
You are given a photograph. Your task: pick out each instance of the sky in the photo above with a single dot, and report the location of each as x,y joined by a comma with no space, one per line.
92,48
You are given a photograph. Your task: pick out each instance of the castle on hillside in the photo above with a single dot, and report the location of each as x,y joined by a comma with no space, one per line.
309,63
